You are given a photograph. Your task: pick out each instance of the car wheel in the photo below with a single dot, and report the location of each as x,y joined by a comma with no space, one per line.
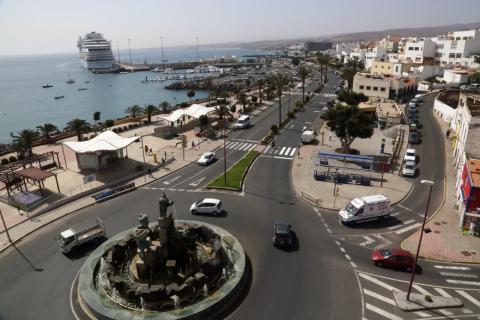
194,212
408,269
379,264
215,213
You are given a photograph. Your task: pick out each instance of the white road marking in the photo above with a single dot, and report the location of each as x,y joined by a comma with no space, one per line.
348,257
172,189
282,151
401,224
367,242
338,243
161,189
395,226
459,275
316,210
422,314
410,227
180,189
377,282
229,144
421,290
233,145
443,292
471,283
196,182
248,145
267,149
285,158
468,297
288,151
241,146
328,230
445,312
451,267
341,249
467,311
379,297
382,312
353,264
252,147
292,152
167,182
395,214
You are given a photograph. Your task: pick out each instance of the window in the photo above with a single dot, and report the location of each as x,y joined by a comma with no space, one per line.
453,45
459,55
410,48
439,46
451,55
369,88
382,89
416,48
361,87
375,88
396,68
438,54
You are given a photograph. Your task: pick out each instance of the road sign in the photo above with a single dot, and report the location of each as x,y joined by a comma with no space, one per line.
89,178
184,141
382,166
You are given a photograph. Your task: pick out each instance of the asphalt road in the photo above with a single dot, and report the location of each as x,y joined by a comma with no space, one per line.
324,276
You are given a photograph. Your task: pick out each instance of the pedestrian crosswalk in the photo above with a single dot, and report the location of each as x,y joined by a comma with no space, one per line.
378,300
280,152
240,145
459,275
330,95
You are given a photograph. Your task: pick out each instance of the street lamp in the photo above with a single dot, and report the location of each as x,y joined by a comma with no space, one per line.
431,183
130,53
335,181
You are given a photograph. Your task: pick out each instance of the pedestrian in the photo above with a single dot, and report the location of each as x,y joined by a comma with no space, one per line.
273,143
165,155
146,149
151,151
163,162
150,175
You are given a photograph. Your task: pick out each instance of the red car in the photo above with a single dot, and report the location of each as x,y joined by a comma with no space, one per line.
394,259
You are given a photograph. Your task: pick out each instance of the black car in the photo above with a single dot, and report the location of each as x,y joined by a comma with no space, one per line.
282,234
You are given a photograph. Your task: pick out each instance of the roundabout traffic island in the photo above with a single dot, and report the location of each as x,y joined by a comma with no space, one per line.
169,269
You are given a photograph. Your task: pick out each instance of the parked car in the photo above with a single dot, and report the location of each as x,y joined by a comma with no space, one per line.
414,138
207,206
410,155
282,234
416,123
206,158
394,259
409,169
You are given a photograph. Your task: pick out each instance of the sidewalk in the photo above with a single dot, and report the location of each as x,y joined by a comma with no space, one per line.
446,242
321,193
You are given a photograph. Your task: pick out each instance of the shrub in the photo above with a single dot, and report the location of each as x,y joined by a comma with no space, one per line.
291,114
109,123
12,159
4,161
125,128
274,128
254,99
120,129
233,108
298,104
115,130
21,156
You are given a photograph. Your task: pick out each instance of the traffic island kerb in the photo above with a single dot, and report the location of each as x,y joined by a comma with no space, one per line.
419,301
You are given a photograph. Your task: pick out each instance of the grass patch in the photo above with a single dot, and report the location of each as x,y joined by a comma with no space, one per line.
235,174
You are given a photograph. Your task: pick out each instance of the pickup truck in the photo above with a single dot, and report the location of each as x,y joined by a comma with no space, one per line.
79,234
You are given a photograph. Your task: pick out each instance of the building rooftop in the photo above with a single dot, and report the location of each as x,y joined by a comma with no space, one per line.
472,143
387,109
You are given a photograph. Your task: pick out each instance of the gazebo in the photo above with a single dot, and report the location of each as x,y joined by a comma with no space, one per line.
98,152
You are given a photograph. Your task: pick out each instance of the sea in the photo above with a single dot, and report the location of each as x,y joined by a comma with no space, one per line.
24,104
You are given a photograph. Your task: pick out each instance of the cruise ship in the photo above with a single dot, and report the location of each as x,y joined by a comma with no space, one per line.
96,52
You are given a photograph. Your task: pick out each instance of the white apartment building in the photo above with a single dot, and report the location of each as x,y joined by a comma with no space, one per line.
457,48
373,54
416,50
384,86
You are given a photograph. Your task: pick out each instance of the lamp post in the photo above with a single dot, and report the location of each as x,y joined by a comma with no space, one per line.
130,53
335,182
431,183
196,39
161,44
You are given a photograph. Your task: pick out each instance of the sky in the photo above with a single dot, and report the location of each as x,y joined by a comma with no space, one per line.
53,26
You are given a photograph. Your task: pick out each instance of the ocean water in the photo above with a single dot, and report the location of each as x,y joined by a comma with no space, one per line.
24,104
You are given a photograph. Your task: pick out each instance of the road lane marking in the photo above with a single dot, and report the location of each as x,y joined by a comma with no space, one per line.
367,242
401,224
395,214
422,314
233,145
292,152
410,227
252,147
338,243
451,267
445,312
316,210
267,149
459,275
196,182
229,144
282,151
341,249
353,265
467,311
284,158
171,180
377,282
421,290
245,147
180,189
468,297
288,151
328,230
379,297
395,226
348,257
382,312
442,292
472,283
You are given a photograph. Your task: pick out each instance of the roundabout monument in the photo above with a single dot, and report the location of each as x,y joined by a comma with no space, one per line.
169,269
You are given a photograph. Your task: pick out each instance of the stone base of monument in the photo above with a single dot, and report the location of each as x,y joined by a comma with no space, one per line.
110,286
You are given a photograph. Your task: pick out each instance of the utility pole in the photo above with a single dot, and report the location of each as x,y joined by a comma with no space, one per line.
5,226
130,52
196,38
431,183
224,154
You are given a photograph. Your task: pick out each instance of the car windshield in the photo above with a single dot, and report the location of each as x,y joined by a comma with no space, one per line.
350,208
386,253
67,240
409,166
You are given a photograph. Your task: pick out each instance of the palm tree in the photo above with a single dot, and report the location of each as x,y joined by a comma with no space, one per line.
242,99
149,111
164,105
279,81
23,141
46,129
96,117
134,110
78,126
222,112
260,84
323,60
236,91
209,86
303,72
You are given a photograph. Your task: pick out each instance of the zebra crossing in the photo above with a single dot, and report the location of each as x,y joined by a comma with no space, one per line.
458,275
379,303
241,145
332,95
280,152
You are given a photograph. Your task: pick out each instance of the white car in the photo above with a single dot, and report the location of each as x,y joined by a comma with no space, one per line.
409,169
207,206
410,155
206,158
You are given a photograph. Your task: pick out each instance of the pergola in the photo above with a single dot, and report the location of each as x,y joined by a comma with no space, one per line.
36,175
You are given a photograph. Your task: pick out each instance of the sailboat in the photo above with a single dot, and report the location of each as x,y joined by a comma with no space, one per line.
70,80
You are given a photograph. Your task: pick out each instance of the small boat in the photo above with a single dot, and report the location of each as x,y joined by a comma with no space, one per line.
82,89
47,85
59,97
70,81
87,81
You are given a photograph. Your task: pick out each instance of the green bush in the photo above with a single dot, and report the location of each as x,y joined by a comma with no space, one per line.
274,128
291,114
299,104
109,123
4,161
12,159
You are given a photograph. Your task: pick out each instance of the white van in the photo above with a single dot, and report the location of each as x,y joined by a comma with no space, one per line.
365,209
308,136
242,122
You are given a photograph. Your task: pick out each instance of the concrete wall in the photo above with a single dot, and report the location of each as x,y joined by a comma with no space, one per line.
445,111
